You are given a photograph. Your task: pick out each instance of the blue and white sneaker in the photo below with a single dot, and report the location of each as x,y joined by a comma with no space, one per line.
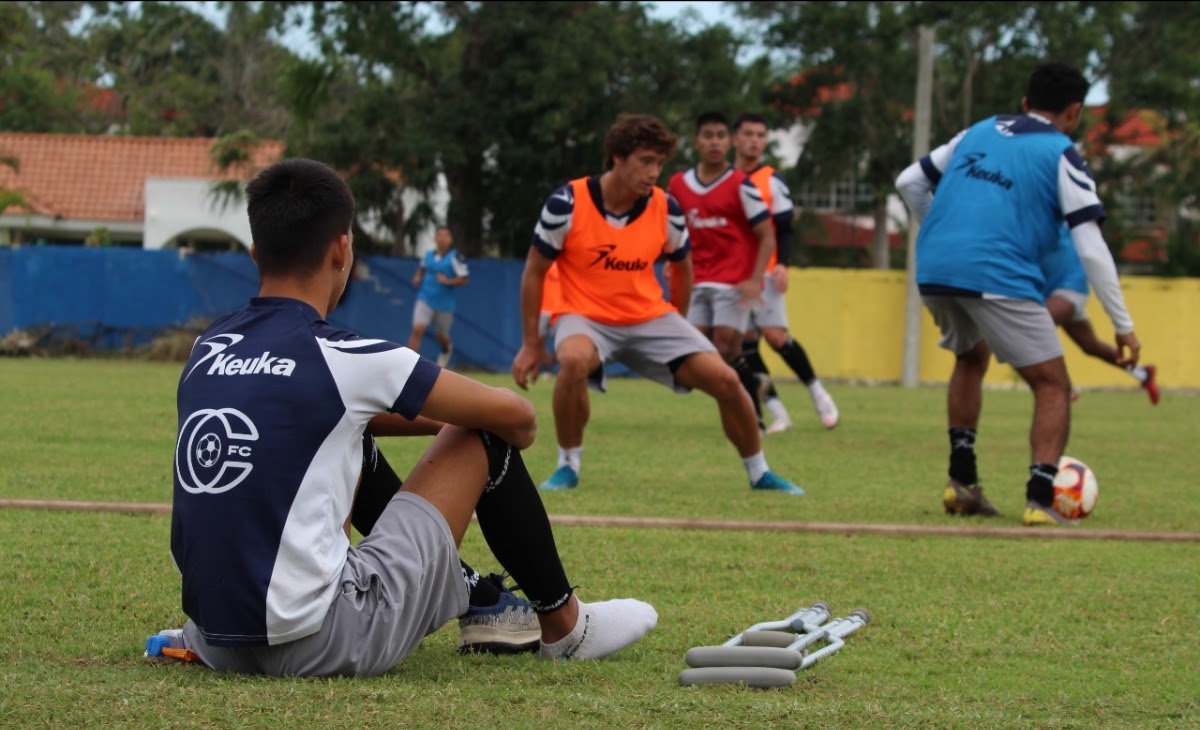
564,477
509,627
773,482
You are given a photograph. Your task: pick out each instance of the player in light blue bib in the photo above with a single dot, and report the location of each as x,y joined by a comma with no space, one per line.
1005,186
437,279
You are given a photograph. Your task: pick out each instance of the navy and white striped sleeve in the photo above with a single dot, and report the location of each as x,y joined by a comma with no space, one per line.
377,375
555,222
678,244
917,182
752,202
1077,190
936,162
781,197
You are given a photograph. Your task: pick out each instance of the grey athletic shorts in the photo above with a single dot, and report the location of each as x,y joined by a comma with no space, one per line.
423,315
1019,331
713,306
401,583
544,329
646,348
1078,300
773,310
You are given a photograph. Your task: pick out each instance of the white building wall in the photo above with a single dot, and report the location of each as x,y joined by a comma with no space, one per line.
176,206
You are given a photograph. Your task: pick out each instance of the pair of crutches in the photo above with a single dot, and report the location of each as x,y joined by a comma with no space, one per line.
769,654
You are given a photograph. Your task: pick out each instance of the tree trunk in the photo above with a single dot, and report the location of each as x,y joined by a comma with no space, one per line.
399,245
881,255
465,213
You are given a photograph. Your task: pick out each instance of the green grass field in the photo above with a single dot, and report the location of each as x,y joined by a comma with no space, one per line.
967,632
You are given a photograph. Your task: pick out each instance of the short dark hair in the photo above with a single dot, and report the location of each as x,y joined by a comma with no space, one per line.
749,118
297,208
711,118
1053,86
632,132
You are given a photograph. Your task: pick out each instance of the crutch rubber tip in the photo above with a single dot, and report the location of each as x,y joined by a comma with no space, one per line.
778,639
863,614
822,606
743,656
765,677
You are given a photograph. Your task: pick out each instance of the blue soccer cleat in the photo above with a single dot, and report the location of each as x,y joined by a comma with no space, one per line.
771,481
564,477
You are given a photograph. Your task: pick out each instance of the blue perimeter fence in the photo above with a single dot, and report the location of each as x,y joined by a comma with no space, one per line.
122,298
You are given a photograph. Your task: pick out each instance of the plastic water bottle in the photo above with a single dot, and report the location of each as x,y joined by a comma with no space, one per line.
167,638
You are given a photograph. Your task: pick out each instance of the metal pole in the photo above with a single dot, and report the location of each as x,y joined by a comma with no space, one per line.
912,303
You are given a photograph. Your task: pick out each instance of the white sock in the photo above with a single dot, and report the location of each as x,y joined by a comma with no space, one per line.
1139,372
756,466
815,388
572,457
778,412
603,628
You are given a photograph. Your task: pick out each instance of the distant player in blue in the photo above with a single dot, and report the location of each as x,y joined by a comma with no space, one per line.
1066,291
274,460
1004,188
438,275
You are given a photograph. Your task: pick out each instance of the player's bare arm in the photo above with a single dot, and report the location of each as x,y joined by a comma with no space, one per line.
1129,349
451,280
751,288
679,283
461,401
532,355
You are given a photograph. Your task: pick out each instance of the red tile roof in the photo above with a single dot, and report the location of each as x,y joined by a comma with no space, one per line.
104,178
1139,128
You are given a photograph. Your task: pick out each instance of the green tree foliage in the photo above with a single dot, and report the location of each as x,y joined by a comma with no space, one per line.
179,74
1154,74
848,85
43,70
983,55
508,101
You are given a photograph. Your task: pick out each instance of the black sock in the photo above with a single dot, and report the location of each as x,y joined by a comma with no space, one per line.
797,359
1040,487
379,484
750,383
482,592
515,525
962,456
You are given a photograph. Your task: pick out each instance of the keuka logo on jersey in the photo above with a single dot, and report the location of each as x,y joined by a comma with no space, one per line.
695,220
262,364
612,263
228,364
975,171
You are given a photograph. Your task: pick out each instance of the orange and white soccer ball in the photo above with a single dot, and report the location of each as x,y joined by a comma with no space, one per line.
1075,489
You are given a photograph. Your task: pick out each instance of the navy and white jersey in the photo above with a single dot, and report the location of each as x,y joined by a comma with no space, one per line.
558,212
1062,269
1004,187
272,403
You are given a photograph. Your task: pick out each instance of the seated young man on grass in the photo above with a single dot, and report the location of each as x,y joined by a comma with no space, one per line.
274,408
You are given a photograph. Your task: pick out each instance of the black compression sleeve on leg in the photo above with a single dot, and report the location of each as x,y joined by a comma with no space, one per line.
515,525
378,485
750,383
797,359
750,353
752,357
